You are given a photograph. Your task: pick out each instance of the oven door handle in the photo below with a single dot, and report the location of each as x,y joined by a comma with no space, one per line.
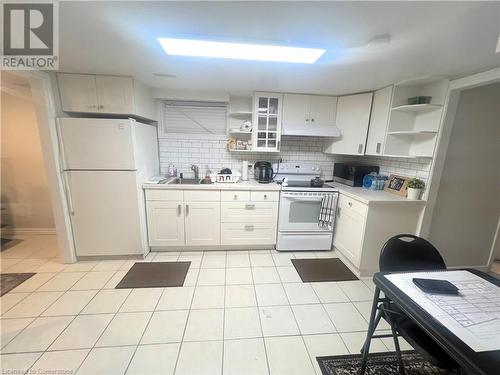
309,199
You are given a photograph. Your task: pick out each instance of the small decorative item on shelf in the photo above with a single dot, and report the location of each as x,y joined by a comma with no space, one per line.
419,100
246,126
415,187
231,144
241,145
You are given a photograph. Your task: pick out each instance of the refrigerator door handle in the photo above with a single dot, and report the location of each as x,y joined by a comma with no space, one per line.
67,190
62,157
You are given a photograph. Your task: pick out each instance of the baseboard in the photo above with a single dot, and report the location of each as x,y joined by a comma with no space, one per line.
14,231
211,248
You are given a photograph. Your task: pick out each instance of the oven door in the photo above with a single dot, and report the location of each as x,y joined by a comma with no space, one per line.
299,212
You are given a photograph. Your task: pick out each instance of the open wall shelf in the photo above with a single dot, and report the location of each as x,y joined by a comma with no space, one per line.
412,129
418,107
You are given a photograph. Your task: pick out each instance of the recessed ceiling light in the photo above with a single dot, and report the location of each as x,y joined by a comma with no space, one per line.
240,51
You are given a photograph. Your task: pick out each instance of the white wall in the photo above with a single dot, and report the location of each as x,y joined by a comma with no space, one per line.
468,203
24,190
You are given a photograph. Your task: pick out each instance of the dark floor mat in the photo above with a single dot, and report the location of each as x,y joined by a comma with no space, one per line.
378,364
155,275
323,269
7,243
9,281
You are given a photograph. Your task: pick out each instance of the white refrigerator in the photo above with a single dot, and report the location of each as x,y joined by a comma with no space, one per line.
104,164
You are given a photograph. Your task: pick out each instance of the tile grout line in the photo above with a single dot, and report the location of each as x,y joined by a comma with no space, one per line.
260,323
104,330
144,331
48,307
77,315
187,319
297,323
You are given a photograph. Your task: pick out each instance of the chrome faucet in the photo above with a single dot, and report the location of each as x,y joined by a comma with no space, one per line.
196,171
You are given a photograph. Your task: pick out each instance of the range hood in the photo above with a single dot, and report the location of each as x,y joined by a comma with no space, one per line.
316,130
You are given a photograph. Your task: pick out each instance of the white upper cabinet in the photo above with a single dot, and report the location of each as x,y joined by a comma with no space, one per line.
323,110
267,121
381,109
295,112
113,95
311,115
352,119
78,92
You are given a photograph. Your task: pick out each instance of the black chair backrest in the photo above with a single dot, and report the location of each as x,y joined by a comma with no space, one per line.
406,252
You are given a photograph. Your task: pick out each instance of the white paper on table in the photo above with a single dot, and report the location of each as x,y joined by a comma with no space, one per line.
473,315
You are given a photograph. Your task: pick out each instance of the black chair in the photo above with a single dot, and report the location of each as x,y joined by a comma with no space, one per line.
407,253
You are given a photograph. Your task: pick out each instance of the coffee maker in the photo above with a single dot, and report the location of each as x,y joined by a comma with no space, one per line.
263,172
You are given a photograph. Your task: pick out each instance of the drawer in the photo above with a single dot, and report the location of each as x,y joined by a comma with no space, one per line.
349,204
249,212
201,196
248,234
164,195
234,196
264,196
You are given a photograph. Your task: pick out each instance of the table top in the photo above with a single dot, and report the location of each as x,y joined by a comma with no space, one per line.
474,362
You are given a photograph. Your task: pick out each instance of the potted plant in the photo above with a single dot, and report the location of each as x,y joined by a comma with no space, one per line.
415,187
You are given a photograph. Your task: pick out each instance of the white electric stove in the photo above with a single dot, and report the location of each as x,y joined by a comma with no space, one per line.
299,211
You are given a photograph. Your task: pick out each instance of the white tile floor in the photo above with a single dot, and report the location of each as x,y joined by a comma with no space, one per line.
244,312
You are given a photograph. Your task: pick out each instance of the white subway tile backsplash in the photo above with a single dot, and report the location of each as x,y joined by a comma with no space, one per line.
212,154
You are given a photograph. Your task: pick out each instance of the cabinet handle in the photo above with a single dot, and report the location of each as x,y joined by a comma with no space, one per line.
249,227
350,204
249,206
360,148
187,209
179,209
307,120
265,196
279,144
235,196
312,120
378,147
101,106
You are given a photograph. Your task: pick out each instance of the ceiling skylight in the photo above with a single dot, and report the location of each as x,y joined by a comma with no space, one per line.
240,51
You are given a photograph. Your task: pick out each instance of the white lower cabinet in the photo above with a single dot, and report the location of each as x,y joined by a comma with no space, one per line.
236,234
202,223
361,229
197,218
165,223
349,230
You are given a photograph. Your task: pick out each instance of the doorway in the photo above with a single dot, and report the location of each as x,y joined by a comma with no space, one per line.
26,212
465,217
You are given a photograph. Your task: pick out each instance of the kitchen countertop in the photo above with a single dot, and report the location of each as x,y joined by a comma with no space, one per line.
363,195
242,185
373,196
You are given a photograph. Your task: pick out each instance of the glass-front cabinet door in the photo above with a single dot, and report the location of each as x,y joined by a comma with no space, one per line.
267,121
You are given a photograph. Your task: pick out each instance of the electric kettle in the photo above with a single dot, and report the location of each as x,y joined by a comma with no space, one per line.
263,172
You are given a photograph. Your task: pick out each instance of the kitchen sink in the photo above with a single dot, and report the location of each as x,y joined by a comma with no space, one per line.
187,181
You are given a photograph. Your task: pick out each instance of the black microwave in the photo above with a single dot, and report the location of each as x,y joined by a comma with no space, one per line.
352,174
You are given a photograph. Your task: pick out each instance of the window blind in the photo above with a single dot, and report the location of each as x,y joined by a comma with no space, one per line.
194,117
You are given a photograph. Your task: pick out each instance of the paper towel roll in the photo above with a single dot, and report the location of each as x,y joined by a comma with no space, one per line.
244,170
